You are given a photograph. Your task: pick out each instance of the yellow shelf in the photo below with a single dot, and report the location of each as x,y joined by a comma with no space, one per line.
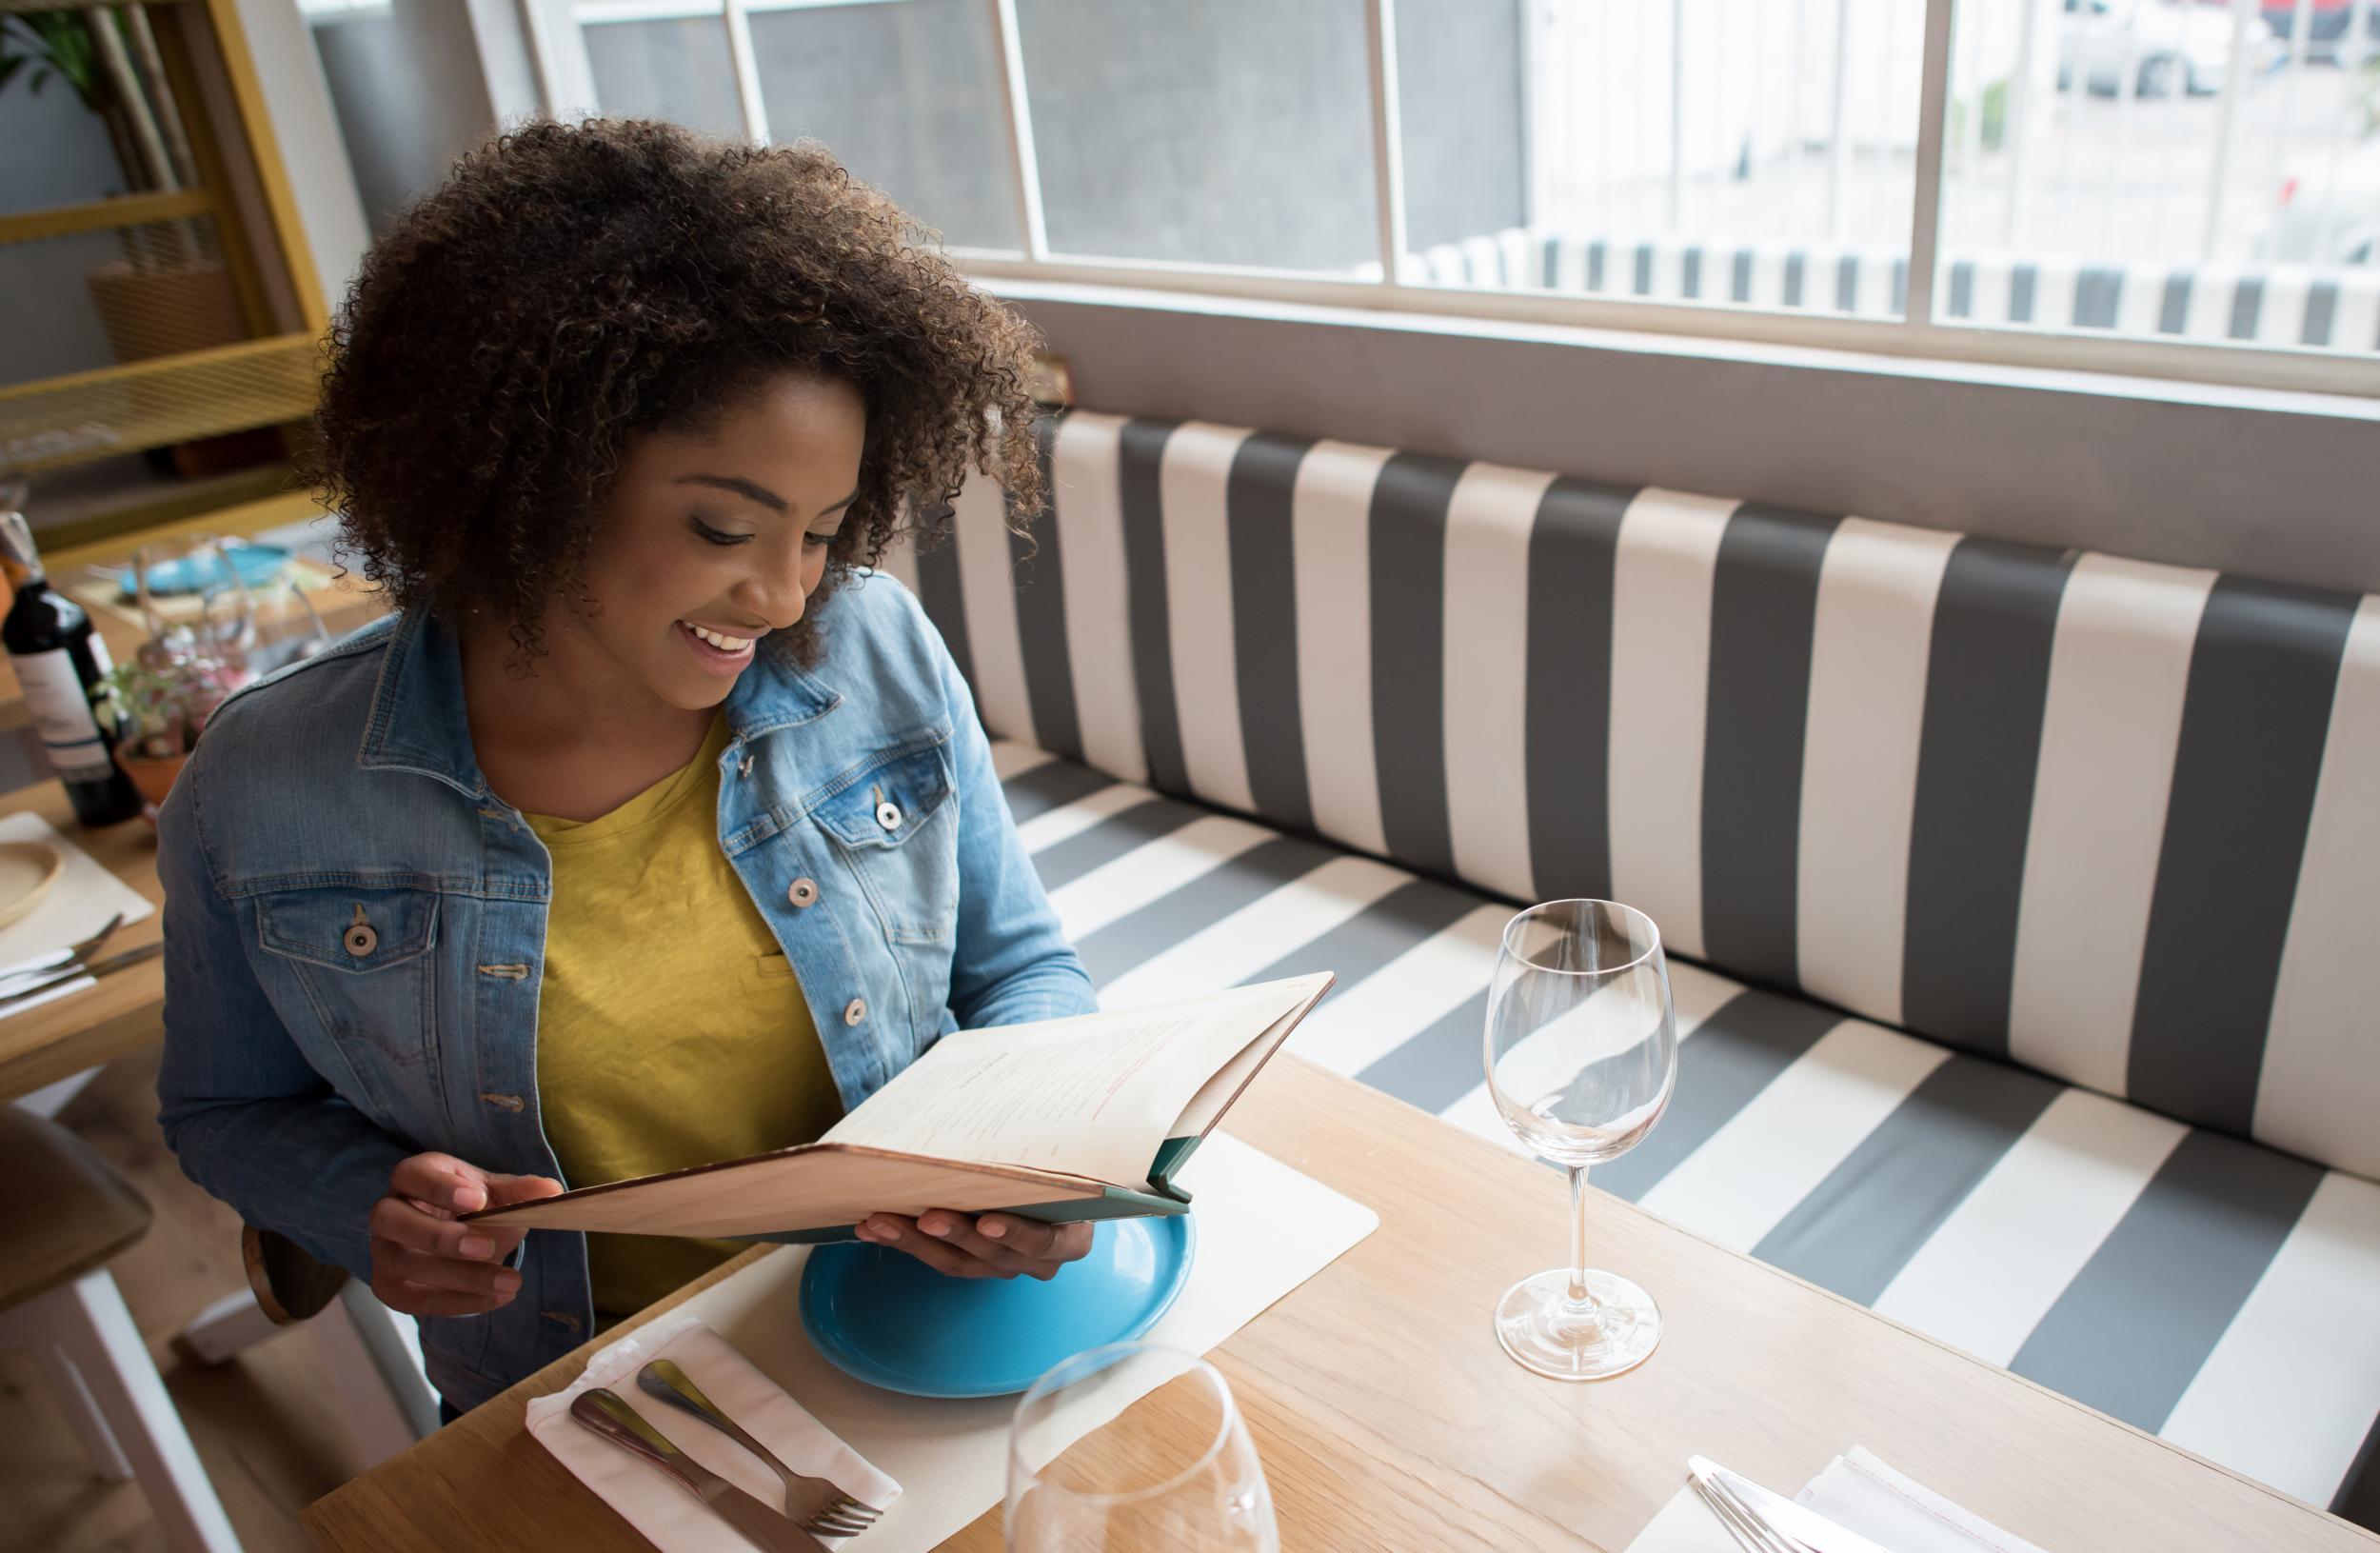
152,403
102,216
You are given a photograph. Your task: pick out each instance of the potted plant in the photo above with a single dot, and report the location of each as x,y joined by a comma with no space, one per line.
157,707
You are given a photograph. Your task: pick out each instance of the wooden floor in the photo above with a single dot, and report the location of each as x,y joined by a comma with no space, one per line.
264,1424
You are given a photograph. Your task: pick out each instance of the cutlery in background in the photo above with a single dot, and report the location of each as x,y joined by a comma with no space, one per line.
1796,1523
605,1412
58,959
813,1502
21,990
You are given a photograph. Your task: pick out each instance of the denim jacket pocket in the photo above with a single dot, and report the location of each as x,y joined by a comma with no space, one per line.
362,959
896,827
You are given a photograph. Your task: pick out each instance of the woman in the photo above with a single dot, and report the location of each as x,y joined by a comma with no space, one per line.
652,830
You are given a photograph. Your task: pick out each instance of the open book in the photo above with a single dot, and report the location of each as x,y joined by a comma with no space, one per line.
1065,1119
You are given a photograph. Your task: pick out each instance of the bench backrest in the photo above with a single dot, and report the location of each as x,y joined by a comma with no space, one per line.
2119,822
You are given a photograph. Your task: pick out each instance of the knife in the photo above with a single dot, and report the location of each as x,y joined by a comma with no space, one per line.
75,973
1786,1516
602,1411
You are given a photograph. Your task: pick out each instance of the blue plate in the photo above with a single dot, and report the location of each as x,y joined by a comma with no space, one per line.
256,565
887,1319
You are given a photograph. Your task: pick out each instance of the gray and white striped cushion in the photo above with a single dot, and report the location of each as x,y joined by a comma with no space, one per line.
2212,1290
2268,304
2117,821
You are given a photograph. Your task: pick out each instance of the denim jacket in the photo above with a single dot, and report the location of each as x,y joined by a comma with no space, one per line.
355,927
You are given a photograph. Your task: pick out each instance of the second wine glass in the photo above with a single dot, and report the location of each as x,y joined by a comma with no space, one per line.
1131,1446
1581,1060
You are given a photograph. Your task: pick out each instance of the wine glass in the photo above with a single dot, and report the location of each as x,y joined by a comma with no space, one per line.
1130,1447
1581,1059
194,602
287,626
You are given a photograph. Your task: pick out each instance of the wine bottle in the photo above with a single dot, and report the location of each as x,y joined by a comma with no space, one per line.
58,659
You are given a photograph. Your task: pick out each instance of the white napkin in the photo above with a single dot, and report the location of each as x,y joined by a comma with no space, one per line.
1856,1491
77,906
670,1517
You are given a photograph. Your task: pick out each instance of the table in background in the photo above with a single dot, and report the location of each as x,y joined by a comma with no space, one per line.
344,604
1387,1416
119,1013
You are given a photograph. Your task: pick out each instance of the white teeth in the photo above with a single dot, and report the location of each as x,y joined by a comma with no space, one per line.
725,644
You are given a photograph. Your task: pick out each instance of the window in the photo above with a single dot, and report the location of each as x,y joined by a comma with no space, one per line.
908,95
1228,133
2184,187
1756,153
674,68
2164,169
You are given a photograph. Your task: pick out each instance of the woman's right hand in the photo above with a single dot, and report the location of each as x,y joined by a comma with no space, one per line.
423,1264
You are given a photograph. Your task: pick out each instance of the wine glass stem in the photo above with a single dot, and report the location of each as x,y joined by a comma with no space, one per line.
1581,1301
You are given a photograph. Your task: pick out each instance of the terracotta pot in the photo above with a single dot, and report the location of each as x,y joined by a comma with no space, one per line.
153,775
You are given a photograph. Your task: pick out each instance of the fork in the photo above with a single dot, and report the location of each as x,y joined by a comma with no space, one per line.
57,959
814,1503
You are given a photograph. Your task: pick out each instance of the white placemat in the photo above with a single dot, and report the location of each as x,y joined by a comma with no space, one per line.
1263,1230
77,906
1856,1491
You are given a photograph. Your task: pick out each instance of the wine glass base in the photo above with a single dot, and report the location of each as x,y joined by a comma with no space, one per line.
1535,1323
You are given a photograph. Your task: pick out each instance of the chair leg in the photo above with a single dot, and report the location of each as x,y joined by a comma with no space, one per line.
99,1442
229,1327
374,1363
89,1321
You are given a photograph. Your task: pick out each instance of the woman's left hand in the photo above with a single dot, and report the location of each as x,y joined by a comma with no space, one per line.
991,1245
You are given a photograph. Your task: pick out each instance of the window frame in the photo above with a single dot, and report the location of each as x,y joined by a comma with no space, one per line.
566,84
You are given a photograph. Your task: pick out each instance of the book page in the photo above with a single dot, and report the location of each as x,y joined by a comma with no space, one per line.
1216,1095
1093,1095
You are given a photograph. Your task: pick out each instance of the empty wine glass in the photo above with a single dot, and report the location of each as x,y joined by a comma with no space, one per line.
1581,1059
287,626
194,602
1130,1447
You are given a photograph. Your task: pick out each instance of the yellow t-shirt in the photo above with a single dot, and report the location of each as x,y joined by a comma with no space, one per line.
670,1030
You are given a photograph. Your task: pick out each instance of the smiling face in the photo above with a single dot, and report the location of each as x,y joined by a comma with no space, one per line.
717,536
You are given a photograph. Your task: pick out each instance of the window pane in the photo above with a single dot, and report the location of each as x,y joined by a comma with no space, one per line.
1230,131
2202,172
909,96
1755,152
677,69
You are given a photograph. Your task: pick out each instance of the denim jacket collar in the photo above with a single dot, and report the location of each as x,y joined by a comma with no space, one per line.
419,721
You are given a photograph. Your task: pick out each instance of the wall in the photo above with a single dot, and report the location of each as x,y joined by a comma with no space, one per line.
2285,490
44,319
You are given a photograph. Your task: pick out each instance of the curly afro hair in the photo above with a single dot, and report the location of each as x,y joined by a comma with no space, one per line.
571,286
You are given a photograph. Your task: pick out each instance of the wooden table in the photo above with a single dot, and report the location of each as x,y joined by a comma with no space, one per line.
344,604
1387,1417
122,1013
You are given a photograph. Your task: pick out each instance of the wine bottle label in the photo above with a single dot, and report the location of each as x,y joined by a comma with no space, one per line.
61,709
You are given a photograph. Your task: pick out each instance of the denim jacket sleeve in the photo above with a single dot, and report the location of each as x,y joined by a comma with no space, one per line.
248,1117
1012,963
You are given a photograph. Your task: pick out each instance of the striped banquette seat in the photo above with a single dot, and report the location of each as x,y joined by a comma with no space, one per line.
2024,907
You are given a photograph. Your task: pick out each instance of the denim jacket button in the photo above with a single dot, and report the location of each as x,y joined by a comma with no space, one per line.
888,815
803,893
854,1012
361,941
